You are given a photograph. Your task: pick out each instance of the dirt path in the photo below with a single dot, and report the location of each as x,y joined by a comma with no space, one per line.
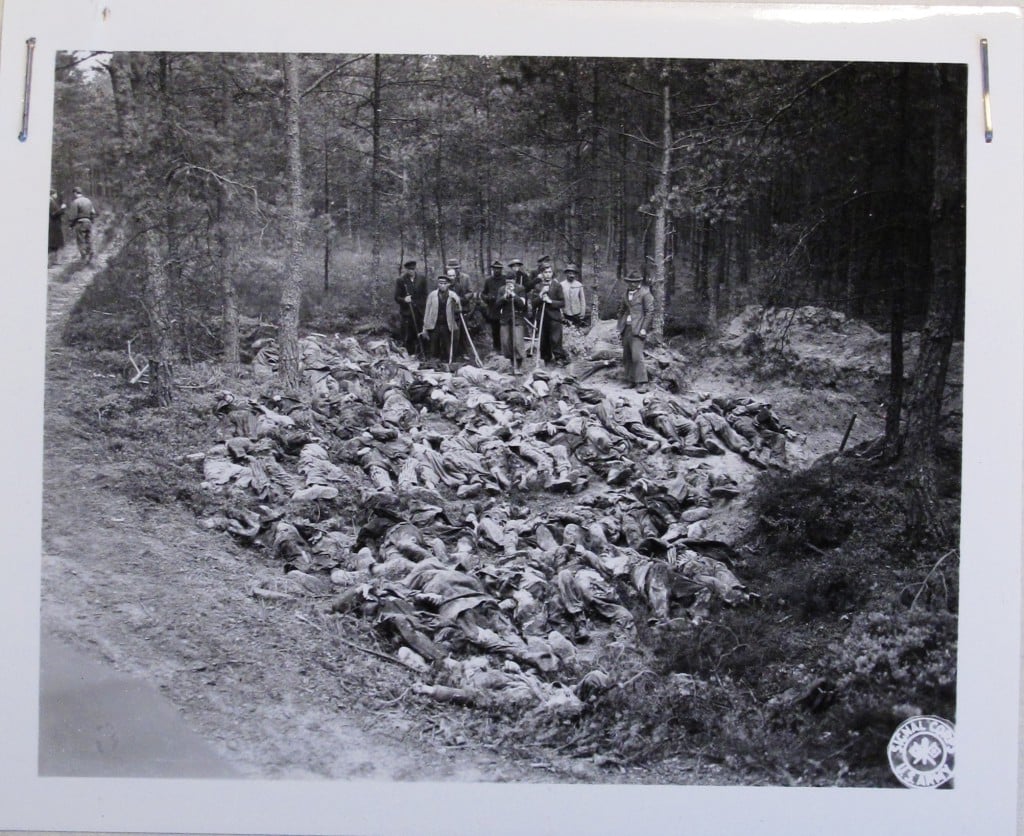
142,589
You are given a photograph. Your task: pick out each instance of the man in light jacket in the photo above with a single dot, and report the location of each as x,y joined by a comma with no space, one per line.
440,320
635,315
575,297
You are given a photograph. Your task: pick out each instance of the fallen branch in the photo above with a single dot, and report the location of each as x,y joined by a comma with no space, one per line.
376,653
924,583
139,373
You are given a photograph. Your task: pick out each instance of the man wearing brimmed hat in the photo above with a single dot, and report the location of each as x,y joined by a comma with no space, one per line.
411,298
493,287
635,315
575,309
520,275
440,320
548,301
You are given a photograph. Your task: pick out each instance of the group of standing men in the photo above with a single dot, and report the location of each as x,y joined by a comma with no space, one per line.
510,301
80,215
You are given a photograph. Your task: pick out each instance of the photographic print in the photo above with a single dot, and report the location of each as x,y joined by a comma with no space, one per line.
471,432
511,418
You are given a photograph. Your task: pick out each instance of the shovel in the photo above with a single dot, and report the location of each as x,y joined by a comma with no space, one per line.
469,337
419,335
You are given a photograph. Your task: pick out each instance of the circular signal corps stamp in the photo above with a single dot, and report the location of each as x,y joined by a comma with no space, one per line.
921,752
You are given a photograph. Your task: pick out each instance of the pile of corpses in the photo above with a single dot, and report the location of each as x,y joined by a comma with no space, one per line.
498,532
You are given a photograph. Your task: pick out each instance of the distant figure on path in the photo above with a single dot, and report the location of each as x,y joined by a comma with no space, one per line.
81,214
636,312
56,236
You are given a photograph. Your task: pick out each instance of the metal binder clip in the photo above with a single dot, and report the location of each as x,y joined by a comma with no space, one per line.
30,45
985,97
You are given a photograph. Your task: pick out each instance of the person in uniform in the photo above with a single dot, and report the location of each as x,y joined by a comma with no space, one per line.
635,315
81,214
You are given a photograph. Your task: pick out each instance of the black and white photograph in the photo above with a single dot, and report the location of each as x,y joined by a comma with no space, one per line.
532,420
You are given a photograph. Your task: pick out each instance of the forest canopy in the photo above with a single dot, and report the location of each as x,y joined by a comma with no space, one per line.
732,182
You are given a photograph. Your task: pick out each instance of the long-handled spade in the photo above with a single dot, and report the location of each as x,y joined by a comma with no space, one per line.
513,340
540,335
469,337
451,347
419,335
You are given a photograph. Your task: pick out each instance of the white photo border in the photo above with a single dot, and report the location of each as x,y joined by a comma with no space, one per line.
984,798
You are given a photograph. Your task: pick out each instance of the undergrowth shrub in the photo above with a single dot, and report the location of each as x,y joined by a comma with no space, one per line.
803,514
891,665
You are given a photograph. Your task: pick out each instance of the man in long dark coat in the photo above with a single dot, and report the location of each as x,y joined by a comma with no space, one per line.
493,287
411,298
635,316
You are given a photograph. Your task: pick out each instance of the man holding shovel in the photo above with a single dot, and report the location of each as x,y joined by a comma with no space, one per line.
440,320
411,297
548,301
511,306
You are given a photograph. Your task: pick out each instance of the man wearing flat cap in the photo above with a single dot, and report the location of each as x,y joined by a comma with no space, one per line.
635,315
440,320
411,298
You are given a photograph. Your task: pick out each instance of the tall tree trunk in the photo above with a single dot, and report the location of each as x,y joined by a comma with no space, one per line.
375,272
899,241
229,323
622,253
291,291
438,207
327,212
721,283
701,282
662,211
921,428
229,330
161,365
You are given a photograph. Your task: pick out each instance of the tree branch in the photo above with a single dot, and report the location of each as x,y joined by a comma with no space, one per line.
77,61
220,178
331,72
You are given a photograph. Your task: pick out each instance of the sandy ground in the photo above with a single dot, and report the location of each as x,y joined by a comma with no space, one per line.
131,596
